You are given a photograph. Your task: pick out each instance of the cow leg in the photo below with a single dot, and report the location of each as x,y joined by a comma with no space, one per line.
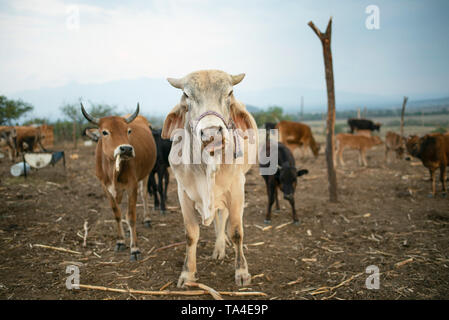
153,186
143,195
271,187
120,243
276,199
433,181
295,218
362,158
220,242
235,232
160,188
340,156
443,177
192,229
386,159
167,180
131,217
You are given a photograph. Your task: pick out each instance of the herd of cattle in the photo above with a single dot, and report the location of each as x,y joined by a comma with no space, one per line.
130,154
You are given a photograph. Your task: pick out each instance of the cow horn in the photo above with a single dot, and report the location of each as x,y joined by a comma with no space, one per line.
134,115
177,83
89,118
237,78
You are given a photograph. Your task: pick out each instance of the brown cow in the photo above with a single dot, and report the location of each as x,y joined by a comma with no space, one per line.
125,155
27,139
361,143
433,151
394,142
296,135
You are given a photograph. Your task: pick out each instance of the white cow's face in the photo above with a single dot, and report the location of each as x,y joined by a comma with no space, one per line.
206,102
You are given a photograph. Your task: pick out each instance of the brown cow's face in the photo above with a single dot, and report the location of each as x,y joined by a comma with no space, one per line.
114,135
413,145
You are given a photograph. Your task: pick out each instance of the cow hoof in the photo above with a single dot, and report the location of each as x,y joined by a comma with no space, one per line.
218,254
147,224
163,212
242,278
135,256
444,195
430,196
296,222
186,277
120,247
267,221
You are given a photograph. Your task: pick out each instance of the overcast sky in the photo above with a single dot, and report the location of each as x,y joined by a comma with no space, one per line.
42,44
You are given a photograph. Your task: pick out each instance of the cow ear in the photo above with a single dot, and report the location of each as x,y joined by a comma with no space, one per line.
174,120
241,117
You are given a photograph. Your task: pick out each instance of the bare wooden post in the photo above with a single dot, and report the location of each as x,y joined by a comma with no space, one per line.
358,113
402,115
327,53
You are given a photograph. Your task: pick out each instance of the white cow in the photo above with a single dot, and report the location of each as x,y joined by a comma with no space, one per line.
210,189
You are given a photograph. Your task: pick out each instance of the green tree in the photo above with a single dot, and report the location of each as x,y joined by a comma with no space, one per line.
12,110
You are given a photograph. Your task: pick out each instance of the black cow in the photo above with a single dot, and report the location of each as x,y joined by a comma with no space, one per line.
163,147
363,124
284,179
270,125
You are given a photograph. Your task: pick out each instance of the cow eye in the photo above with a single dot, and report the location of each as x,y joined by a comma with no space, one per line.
230,93
105,133
129,131
185,95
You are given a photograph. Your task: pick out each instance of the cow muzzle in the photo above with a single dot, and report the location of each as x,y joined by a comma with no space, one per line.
212,139
124,151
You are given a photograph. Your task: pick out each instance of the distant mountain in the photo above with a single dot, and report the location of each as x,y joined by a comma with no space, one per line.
157,98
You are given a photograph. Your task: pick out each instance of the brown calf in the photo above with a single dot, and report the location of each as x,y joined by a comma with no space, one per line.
433,151
358,142
125,155
295,135
394,143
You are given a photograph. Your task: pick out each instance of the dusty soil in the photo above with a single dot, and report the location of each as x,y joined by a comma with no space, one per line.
383,218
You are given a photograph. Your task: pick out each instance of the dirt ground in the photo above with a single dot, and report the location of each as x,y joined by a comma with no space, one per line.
384,218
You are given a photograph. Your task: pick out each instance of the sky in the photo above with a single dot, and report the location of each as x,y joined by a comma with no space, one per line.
56,43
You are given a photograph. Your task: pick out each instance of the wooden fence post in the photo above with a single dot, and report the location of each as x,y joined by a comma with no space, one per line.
327,53
402,116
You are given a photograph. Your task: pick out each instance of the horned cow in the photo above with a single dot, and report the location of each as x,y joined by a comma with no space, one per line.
125,155
205,119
